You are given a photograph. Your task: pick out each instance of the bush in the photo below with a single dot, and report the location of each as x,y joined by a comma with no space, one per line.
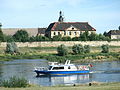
62,50
86,49
105,48
21,36
11,48
78,49
14,82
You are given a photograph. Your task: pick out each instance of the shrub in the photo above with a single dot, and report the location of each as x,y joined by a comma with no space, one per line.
14,82
11,48
78,49
62,50
105,48
86,49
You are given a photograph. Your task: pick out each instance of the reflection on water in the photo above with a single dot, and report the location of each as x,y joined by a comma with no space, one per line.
101,72
64,79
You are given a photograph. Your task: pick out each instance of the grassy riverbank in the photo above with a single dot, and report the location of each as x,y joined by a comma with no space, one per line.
50,53
94,86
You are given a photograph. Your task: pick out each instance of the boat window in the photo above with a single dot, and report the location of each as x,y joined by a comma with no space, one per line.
50,67
69,67
56,68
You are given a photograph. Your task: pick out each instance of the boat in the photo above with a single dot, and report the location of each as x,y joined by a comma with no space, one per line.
62,69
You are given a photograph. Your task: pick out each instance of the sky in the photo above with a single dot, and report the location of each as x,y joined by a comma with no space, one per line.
103,15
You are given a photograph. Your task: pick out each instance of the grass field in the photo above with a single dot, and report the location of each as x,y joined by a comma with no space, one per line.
54,49
107,86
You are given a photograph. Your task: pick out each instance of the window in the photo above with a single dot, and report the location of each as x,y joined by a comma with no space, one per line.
56,68
58,33
69,33
69,67
72,28
54,33
64,33
75,33
50,67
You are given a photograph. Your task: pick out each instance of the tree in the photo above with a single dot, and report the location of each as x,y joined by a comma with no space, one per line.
66,38
84,36
119,27
78,49
57,38
8,38
93,37
62,50
105,48
86,49
1,33
21,36
105,34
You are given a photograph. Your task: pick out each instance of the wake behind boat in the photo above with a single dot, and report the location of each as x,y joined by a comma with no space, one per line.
61,69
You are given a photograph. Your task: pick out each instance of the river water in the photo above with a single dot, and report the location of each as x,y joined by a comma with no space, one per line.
100,72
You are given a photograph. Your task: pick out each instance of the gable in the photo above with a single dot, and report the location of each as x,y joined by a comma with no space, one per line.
72,28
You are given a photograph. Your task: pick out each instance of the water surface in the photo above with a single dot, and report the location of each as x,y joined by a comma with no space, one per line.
100,72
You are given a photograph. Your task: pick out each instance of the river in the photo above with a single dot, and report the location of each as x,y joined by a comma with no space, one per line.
100,72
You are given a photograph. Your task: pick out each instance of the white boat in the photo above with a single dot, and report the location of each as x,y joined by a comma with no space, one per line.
60,69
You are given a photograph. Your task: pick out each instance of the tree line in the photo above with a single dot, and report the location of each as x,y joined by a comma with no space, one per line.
79,49
23,36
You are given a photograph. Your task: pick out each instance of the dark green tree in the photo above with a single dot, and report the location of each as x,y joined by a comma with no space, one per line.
1,34
78,49
8,38
66,38
105,48
21,36
57,38
86,49
62,50
76,39
93,37
84,36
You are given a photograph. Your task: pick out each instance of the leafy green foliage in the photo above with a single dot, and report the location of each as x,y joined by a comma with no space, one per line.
78,49
11,48
86,49
21,36
62,50
66,38
57,38
105,48
1,35
14,82
84,36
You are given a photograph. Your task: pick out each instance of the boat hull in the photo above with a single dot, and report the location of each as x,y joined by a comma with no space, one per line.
61,72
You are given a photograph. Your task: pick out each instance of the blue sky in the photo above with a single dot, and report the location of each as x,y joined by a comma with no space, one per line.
103,15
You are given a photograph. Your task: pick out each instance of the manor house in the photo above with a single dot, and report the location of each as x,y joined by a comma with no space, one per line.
71,29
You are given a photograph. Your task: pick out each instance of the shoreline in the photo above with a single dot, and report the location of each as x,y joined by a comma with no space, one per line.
91,57
93,86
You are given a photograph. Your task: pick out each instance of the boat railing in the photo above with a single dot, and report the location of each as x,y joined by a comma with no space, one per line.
41,68
82,67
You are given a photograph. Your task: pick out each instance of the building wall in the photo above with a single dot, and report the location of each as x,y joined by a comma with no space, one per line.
67,43
70,33
115,36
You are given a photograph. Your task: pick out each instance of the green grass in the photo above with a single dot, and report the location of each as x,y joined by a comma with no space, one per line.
49,53
108,86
